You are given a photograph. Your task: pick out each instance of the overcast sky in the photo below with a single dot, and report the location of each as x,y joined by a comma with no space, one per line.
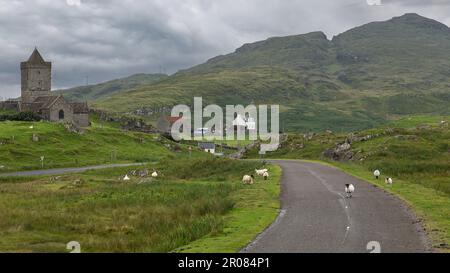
106,39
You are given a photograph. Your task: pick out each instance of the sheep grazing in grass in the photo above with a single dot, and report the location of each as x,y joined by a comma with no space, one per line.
126,178
349,190
377,174
248,179
261,172
155,174
266,175
389,181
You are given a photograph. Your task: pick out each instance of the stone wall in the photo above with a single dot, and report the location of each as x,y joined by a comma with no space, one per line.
81,120
10,105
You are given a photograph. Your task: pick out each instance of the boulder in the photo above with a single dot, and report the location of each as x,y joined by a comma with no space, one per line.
342,152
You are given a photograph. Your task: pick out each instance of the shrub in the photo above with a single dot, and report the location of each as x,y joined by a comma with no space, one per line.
22,116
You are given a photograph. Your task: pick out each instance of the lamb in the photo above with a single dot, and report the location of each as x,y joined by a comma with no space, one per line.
266,175
155,174
126,178
389,181
377,174
248,179
261,172
349,190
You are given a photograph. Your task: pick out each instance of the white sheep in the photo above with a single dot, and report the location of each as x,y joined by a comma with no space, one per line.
377,174
266,175
261,172
389,181
126,178
349,190
155,174
248,179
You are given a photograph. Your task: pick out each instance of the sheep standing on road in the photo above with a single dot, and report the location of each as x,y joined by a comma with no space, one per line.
266,175
248,179
349,190
389,181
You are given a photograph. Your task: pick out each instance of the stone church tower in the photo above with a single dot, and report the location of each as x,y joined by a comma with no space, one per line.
36,78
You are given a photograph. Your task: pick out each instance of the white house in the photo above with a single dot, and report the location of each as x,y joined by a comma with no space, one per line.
208,147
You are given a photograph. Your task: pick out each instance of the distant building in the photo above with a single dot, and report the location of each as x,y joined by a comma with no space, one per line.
245,123
165,123
239,121
208,147
37,97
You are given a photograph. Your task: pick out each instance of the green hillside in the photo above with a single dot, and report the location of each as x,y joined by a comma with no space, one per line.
104,90
99,144
360,79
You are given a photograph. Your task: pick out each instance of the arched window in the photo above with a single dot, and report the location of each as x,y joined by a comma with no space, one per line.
61,114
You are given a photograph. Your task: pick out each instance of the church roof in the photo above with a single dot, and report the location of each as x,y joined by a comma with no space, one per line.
207,145
32,107
80,108
36,58
47,101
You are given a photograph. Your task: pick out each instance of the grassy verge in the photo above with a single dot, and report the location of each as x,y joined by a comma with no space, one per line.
190,200
256,207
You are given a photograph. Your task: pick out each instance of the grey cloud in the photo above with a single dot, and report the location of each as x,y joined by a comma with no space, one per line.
105,39
422,3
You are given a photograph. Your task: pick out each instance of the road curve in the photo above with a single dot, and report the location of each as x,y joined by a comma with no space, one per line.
317,218
68,170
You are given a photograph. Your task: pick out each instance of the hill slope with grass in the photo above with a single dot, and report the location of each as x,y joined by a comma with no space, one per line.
96,145
360,79
106,89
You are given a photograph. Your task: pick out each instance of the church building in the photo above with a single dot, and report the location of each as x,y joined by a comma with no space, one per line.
37,97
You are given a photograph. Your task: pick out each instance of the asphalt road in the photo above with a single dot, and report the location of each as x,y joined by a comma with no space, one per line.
317,218
67,170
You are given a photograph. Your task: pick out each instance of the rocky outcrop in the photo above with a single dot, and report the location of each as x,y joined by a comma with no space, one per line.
140,173
342,152
352,138
73,128
127,123
241,152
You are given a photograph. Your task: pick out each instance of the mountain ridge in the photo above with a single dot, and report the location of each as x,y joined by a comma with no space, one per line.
358,79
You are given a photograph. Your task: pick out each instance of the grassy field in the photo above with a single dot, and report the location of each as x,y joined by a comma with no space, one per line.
99,144
414,151
255,209
418,120
191,200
